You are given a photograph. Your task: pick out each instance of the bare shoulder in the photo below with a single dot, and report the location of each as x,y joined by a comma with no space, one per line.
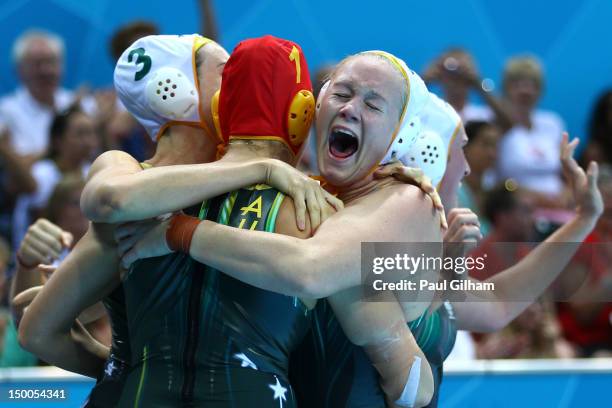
403,210
286,223
400,197
113,160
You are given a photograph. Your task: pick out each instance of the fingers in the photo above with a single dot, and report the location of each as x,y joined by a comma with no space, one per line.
314,208
131,234
130,228
333,201
124,230
49,227
463,224
425,184
592,175
67,239
130,257
443,221
465,233
43,240
127,243
46,270
25,298
437,201
299,202
455,212
31,256
383,171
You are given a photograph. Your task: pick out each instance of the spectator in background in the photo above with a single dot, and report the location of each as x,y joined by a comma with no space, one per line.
119,129
28,112
5,258
536,332
510,212
529,151
73,140
599,147
15,179
456,72
585,287
481,155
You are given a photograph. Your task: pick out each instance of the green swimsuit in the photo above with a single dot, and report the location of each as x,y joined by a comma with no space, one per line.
329,371
201,338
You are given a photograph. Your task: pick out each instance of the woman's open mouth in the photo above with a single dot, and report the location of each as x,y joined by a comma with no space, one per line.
342,143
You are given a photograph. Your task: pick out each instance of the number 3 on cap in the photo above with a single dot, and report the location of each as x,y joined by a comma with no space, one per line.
295,57
143,59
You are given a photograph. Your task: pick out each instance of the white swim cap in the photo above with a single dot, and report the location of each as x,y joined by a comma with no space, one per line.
408,128
439,124
157,81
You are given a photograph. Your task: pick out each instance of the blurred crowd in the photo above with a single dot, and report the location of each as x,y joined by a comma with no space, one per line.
49,136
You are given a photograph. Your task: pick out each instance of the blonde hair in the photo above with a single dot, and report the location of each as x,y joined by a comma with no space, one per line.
523,66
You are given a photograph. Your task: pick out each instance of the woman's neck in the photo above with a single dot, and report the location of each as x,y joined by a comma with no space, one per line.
242,150
184,145
362,188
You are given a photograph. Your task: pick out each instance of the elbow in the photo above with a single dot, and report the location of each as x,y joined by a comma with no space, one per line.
104,205
497,318
308,282
29,338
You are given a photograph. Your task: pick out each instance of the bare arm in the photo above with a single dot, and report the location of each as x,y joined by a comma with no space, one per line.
42,244
89,273
324,264
520,285
20,178
118,191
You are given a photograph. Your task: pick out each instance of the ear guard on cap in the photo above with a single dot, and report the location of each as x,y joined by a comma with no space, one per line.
170,94
429,154
405,138
301,114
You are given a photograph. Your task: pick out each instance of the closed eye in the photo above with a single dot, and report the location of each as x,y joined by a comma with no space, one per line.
341,95
374,107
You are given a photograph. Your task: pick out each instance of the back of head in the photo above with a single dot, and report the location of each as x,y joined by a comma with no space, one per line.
498,201
523,67
24,41
157,80
266,93
58,128
127,34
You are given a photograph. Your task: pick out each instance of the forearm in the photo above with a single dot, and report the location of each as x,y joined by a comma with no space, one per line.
272,262
69,351
24,278
520,285
156,191
503,117
88,274
21,180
